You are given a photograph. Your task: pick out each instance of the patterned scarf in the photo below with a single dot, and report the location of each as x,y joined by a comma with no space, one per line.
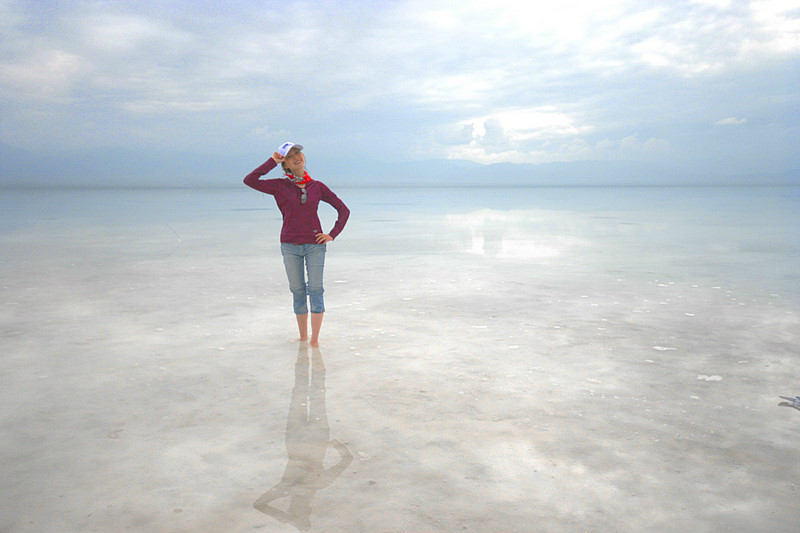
305,179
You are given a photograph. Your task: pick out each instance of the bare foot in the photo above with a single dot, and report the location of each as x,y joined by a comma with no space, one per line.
301,339
314,343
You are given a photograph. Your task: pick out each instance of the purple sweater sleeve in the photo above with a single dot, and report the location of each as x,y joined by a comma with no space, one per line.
341,209
296,221
266,186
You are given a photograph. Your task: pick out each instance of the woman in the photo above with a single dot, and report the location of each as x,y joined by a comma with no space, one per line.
302,240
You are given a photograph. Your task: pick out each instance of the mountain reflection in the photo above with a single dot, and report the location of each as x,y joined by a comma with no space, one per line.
307,440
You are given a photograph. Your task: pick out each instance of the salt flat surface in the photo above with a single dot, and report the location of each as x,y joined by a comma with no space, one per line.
570,361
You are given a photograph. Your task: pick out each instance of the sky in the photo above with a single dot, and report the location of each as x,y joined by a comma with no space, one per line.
165,92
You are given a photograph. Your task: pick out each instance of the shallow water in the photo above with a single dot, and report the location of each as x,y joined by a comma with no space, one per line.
745,235
575,358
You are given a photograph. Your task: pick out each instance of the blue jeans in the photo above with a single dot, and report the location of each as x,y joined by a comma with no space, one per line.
313,255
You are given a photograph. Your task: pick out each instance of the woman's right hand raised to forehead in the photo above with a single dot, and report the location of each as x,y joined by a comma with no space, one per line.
278,158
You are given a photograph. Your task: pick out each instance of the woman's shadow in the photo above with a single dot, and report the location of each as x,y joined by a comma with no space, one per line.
307,440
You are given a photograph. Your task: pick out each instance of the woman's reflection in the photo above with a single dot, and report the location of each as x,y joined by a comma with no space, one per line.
307,439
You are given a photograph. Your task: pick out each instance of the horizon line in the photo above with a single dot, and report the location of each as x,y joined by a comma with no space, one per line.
6,187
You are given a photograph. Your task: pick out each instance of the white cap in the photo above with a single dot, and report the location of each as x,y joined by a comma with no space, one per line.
285,147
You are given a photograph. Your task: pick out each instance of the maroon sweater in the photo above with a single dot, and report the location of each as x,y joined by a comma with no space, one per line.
300,221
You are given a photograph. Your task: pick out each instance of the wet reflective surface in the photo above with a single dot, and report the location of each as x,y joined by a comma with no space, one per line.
307,441
481,369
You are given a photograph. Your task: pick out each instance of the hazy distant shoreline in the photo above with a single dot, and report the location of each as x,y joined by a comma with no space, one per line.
402,186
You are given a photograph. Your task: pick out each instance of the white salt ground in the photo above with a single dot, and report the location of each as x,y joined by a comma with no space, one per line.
480,369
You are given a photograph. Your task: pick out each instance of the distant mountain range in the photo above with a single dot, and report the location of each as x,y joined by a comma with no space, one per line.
119,167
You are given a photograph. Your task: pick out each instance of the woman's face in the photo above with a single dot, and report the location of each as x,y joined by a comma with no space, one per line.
295,160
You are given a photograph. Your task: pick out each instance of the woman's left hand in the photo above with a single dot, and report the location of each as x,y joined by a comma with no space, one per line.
323,238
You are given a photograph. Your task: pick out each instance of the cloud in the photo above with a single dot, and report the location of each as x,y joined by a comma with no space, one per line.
776,27
529,81
448,136
632,143
130,34
536,43
495,144
49,74
719,4
730,121
518,136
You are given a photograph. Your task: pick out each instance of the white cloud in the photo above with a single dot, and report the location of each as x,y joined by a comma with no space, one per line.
564,148
515,135
521,124
479,154
777,27
45,74
457,135
719,4
730,121
577,35
132,33
632,143
526,81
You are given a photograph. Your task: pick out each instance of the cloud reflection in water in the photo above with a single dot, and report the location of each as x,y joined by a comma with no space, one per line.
514,234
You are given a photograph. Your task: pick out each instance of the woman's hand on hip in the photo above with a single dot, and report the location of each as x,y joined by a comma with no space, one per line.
323,238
